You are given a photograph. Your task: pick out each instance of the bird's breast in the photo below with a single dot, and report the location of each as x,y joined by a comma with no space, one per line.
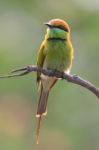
58,55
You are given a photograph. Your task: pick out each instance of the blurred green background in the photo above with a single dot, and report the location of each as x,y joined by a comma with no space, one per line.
72,122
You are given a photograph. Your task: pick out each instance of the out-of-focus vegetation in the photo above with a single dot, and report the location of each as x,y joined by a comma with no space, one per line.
72,122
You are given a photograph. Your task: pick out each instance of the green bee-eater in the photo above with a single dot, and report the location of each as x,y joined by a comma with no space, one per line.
55,53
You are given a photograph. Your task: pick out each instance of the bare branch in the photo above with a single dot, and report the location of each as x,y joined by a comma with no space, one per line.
54,73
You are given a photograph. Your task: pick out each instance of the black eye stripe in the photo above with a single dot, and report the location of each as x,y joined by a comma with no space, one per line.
61,27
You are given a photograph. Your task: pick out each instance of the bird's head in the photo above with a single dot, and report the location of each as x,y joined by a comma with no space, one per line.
57,28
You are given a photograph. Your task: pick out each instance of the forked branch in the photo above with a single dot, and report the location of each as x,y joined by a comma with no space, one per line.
54,73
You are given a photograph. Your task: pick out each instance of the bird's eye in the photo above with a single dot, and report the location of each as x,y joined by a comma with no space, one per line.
63,28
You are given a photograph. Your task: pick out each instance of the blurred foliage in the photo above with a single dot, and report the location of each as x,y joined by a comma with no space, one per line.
72,122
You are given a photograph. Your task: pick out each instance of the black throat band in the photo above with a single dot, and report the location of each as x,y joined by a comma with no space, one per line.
56,39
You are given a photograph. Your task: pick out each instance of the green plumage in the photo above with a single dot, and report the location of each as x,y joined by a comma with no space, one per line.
55,53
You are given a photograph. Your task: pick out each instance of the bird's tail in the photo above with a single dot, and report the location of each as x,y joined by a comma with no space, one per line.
42,109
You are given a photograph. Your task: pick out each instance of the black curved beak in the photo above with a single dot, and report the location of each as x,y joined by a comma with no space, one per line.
48,25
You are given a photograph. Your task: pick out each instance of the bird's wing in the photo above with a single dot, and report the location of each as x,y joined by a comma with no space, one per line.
40,60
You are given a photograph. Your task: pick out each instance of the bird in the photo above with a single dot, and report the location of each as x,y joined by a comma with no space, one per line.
55,53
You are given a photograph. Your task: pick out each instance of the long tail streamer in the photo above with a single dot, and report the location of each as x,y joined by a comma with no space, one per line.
38,129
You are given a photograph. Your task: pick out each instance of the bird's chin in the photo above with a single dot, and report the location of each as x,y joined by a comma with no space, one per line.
48,29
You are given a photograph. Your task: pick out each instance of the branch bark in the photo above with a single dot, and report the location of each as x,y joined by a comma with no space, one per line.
55,73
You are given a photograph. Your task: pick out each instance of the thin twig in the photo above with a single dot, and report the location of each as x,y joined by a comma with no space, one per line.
54,73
